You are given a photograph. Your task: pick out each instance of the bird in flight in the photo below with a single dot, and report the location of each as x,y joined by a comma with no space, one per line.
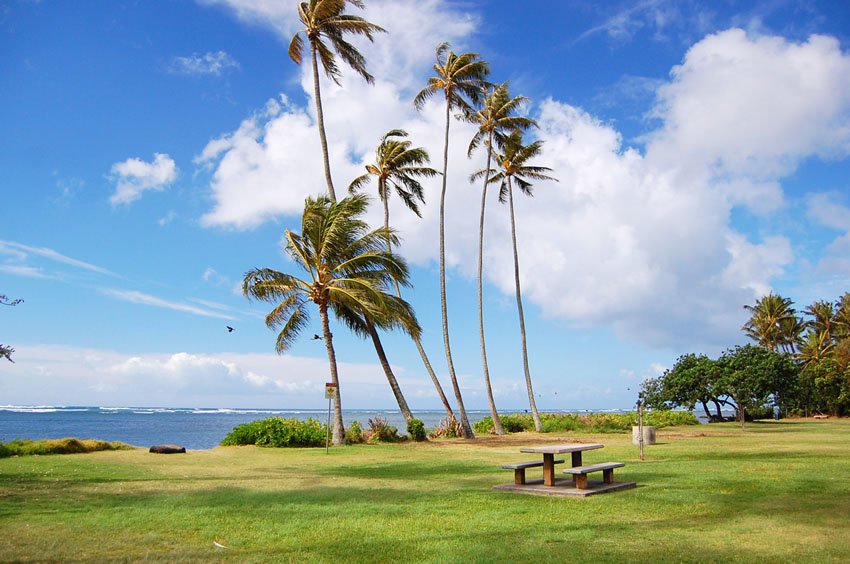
316,338
229,328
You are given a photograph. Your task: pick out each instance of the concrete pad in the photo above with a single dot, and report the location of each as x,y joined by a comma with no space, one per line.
565,487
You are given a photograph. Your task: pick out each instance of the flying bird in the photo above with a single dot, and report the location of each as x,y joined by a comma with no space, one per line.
316,338
229,328
219,545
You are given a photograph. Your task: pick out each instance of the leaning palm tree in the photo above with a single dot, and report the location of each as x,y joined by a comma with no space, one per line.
398,166
766,321
513,168
493,118
325,24
348,268
461,79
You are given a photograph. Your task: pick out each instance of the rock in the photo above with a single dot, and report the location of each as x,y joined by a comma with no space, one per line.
168,449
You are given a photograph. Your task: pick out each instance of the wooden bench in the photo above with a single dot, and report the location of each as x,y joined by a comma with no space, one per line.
519,469
580,472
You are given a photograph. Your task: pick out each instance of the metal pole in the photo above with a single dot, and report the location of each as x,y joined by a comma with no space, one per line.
640,427
328,427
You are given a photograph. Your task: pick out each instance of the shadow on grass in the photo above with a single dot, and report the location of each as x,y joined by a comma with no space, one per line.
396,470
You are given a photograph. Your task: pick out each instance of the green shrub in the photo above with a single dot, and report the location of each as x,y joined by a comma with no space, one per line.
278,432
70,445
670,418
354,433
380,431
588,423
416,430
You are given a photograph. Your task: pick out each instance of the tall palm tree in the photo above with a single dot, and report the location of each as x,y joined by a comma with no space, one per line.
348,268
325,24
461,79
816,345
398,166
842,317
791,331
513,168
768,315
823,317
494,117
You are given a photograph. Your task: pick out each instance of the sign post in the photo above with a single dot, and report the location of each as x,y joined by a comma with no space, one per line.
330,390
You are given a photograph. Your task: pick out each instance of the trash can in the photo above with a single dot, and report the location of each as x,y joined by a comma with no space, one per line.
648,435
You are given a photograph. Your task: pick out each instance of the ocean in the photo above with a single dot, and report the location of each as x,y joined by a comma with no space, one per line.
193,428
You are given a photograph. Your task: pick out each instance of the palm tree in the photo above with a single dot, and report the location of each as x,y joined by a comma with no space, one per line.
816,345
842,317
398,165
325,23
461,79
513,167
769,313
348,271
791,331
494,117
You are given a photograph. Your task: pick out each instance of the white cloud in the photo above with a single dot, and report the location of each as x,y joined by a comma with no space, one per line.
20,253
21,270
829,210
639,240
65,375
134,176
167,218
200,64
754,106
135,297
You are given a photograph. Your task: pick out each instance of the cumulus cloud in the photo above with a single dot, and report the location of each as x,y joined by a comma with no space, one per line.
639,239
134,176
214,63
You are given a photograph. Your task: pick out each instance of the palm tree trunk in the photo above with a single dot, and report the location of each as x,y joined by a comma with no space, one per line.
338,429
465,427
382,191
388,371
497,422
538,424
321,122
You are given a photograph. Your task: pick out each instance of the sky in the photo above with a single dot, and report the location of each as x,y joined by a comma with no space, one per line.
153,152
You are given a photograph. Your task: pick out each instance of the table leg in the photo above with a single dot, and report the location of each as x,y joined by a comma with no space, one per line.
576,461
548,469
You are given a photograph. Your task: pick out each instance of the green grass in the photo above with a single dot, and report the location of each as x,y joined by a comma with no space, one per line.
776,492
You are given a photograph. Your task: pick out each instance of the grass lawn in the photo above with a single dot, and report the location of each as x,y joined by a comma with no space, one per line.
776,492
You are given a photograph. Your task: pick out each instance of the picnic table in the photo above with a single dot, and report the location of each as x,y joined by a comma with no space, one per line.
549,452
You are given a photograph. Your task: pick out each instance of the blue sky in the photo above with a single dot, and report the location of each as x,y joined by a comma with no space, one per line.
152,152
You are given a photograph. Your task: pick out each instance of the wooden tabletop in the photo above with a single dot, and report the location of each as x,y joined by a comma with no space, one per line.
559,449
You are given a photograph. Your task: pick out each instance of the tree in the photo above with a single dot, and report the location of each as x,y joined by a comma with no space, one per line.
513,167
5,350
399,166
460,78
692,379
768,315
325,23
349,270
842,317
751,375
494,118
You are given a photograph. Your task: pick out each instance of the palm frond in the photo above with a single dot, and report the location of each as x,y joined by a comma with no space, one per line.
296,48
